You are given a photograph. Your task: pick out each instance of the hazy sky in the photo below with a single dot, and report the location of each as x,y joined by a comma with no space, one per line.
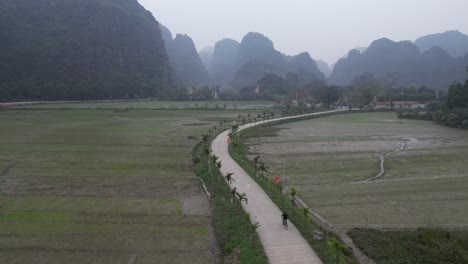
327,29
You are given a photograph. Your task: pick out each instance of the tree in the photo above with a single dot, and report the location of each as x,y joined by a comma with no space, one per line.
256,164
305,212
229,178
458,96
233,192
263,168
338,247
202,93
218,165
242,197
235,128
214,160
293,194
254,226
363,91
324,94
205,139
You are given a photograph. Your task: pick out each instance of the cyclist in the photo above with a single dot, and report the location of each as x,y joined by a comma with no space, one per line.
285,219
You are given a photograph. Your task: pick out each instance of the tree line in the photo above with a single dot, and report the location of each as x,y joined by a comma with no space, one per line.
451,110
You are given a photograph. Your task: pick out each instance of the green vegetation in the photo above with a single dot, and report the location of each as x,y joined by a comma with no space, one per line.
235,233
147,104
238,151
103,185
453,112
422,246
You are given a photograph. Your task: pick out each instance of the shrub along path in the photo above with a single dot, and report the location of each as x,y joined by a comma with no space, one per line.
281,246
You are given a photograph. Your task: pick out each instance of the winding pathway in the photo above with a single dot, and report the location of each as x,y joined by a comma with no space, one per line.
281,246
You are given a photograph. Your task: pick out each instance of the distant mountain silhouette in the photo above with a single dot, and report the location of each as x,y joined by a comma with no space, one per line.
166,35
258,56
324,68
305,68
206,55
68,49
403,63
223,62
187,67
454,42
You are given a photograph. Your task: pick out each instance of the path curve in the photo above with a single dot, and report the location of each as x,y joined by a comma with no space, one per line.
281,246
382,161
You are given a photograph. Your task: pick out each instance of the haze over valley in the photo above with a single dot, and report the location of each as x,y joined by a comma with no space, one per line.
233,132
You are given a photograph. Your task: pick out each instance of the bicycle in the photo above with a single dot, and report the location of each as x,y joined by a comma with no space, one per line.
284,216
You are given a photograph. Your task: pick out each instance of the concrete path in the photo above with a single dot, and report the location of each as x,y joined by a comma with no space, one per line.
281,246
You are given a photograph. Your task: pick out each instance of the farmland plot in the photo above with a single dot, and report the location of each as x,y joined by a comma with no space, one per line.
329,160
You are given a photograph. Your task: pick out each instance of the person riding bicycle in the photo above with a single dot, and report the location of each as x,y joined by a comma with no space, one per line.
285,218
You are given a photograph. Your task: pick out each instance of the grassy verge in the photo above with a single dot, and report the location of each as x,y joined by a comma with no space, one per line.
422,246
323,248
236,236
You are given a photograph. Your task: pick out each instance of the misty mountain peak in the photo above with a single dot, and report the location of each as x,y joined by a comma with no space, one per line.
184,38
189,69
257,39
166,34
437,52
433,68
354,53
304,56
453,41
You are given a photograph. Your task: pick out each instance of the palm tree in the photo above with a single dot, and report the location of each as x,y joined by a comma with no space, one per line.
205,139
229,178
242,198
338,247
256,164
234,128
233,192
263,168
206,151
214,160
254,226
305,213
218,165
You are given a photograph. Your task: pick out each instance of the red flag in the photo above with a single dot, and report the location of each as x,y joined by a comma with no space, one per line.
277,179
229,141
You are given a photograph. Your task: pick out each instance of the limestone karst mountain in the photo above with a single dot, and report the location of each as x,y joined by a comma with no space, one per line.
223,62
403,62
93,49
324,68
206,56
187,67
454,42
